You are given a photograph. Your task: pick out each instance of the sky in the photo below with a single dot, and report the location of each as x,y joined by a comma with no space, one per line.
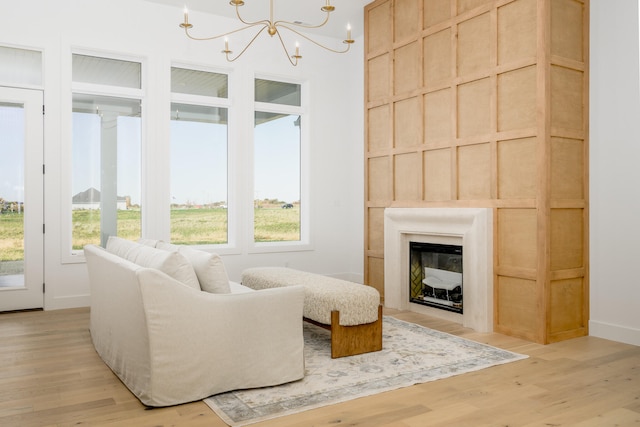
277,160
12,153
199,161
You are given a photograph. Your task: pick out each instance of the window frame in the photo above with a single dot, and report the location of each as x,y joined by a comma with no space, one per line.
305,242
231,247
67,254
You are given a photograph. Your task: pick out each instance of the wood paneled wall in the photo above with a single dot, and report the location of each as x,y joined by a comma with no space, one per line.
484,103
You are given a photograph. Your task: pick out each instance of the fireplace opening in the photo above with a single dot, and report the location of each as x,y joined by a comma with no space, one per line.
435,272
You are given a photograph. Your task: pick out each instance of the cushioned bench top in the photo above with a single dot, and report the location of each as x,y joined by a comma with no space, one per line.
358,304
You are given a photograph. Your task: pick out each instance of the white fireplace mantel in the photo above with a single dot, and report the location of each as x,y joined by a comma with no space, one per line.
472,228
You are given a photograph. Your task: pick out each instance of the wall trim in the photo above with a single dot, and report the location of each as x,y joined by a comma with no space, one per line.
613,332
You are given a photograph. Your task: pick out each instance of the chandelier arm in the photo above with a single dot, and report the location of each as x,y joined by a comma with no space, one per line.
262,21
293,30
287,23
285,50
237,30
247,46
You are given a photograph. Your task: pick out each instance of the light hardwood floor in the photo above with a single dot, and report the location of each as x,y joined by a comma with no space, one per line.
50,375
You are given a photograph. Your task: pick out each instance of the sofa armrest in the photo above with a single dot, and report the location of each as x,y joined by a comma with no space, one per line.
203,344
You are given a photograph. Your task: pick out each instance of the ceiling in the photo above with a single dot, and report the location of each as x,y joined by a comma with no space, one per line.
306,11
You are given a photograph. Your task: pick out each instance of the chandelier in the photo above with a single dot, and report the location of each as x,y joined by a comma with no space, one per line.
273,28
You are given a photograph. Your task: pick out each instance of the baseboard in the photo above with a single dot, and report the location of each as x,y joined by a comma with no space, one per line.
59,303
614,332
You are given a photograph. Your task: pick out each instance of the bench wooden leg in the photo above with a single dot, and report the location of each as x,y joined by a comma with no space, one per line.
358,339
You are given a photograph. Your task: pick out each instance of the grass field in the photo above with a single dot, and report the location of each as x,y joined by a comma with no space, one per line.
11,237
188,227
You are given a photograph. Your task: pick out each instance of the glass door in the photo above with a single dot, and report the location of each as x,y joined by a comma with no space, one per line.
21,199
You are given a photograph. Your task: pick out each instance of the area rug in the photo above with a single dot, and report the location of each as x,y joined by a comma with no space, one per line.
411,354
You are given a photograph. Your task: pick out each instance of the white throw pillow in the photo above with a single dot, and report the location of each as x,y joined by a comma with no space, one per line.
209,267
119,246
142,254
173,264
210,270
148,242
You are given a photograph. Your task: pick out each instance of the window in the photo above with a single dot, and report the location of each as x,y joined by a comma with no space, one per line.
277,162
106,151
199,184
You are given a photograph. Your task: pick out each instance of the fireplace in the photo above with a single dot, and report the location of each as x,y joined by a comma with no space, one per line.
469,228
435,275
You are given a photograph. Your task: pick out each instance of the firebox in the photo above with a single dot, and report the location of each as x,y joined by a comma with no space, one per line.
435,272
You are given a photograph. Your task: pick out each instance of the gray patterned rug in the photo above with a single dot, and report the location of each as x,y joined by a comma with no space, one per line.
411,355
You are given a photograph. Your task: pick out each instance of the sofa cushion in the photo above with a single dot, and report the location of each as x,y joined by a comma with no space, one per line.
148,242
172,264
119,246
209,267
161,244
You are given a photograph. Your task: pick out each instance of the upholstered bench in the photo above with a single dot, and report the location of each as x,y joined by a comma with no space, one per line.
352,312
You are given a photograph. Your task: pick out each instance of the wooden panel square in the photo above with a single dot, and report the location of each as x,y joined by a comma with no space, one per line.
407,171
379,179
378,77
375,276
408,124
436,11
437,57
567,168
566,98
379,28
379,126
517,99
517,238
437,116
567,239
474,172
474,108
376,229
474,45
406,15
407,68
465,5
517,31
517,175
567,301
517,305
437,175
567,29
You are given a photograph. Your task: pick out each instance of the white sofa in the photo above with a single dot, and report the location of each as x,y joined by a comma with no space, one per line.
171,343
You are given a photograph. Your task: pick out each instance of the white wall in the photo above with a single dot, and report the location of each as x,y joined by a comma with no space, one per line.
149,32
615,171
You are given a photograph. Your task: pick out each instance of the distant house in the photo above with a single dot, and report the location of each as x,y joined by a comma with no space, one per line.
90,199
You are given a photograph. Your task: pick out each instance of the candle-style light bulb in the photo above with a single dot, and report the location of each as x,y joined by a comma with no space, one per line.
185,24
226,44
298,47
348,31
